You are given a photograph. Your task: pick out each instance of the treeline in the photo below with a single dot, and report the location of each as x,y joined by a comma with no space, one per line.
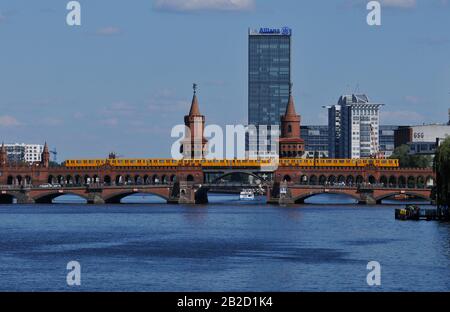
442,169
411,161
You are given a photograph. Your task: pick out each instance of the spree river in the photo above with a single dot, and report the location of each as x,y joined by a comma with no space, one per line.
225,246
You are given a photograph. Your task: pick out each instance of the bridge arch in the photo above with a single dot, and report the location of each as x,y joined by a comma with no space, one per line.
359,180
138,180
411,182
372,180
322,180
401,182
116,198
392,194
10,180
7,199
420,182
107,180
48,198
331,179
392,181
384,181
69,179
301,198
350,180
341,179
119,179
304,180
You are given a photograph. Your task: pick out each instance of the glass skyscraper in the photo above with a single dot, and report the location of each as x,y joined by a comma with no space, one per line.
269,75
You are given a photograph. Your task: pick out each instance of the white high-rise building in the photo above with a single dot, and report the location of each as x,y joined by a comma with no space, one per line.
355,134
21,152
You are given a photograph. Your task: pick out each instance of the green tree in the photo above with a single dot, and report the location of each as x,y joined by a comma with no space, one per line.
411,161
442,169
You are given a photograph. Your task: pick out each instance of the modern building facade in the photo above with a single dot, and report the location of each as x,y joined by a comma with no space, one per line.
21,152
354,127
316,139
387,139
422,139
269,75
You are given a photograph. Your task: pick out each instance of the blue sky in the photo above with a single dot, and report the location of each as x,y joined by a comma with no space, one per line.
122,79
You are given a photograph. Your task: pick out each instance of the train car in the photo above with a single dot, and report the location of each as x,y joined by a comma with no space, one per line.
230,163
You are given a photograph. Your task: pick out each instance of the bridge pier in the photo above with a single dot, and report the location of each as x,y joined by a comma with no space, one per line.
94,196
366,197
186,194
280,194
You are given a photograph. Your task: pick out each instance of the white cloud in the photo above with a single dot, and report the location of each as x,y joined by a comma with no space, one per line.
8,121
107,31
405,4
204,5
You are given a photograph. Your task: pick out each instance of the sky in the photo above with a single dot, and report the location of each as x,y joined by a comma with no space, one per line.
123,79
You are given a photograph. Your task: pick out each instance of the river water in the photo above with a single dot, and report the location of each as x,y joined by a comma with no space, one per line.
225,246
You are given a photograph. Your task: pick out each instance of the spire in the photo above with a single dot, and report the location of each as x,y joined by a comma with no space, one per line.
195,111
290,109
3,149
45,148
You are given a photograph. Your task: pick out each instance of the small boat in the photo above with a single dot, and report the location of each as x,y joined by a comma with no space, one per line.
247,195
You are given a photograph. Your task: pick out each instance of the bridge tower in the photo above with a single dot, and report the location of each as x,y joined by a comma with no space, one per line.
45,160
194,144
3,156
291,145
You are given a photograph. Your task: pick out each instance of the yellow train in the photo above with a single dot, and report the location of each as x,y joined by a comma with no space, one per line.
212,163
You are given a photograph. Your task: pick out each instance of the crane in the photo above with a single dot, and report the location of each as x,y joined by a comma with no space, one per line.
55,154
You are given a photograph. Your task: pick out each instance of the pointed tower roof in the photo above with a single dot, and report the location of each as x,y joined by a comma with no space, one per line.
45,148
195,111
3,149
290,109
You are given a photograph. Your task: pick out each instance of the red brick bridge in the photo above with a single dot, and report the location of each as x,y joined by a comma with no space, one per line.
42,184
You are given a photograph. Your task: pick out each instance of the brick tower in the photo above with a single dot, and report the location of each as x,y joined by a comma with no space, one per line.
3,156
194,144
291,145
45,159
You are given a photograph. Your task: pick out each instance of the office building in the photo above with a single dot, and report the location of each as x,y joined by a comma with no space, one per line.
387,140
24,152
316,141
269,76
422,139
354,127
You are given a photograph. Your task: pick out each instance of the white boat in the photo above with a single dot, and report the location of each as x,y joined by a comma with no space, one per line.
246,195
